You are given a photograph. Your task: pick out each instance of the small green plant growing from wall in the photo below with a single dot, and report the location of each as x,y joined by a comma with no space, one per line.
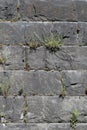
2,60
33,45
74,119
63,91
3,118
25,110
25,120
4,89
53,44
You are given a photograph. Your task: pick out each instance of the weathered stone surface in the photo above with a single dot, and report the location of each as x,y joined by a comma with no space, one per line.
48,83
54,10
42,126
48,10
75,81
41,31
81,10
13,57
35,82
45,109
37,126
11,33
45,82
44,10
67,58
36,59
14,33
8,9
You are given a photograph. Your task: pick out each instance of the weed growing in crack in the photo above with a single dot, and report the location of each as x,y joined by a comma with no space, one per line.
3,118
53,44
25,110
33,45
63,91
4,89
2,60
74,119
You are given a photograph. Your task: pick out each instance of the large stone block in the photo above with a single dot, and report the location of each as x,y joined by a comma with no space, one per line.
48,10
35,82
12,57
67,58
11,33
48,83
72,33
75,81
45,82
19,33
43,10
35,58
45,109
54,10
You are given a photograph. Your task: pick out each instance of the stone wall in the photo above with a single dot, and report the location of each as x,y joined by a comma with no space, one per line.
41,89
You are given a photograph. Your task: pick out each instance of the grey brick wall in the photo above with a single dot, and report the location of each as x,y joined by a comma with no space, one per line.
40,89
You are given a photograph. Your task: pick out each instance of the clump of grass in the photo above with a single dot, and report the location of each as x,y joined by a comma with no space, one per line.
74,119
4,89
2,60
33,45
53,43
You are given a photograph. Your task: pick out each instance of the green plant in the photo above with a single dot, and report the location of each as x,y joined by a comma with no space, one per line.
33,45
4,89
74,119
53,43
27,67
3,117
25,109
2,114
63,91
2,60
21,89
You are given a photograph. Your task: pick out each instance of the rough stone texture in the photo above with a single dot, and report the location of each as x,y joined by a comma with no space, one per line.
66,58
35,82
8,9
44,10
15,33
40,31
45,82
42,126
13,57
11,33
54,10
39,73
45,109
